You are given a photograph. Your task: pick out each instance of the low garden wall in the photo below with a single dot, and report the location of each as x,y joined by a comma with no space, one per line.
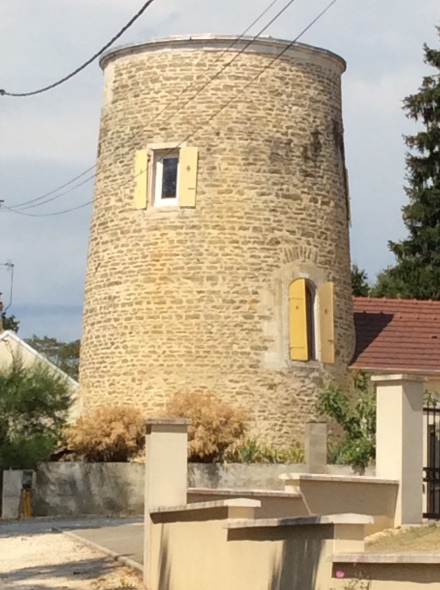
64,489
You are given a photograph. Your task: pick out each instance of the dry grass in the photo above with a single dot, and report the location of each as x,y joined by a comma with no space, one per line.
107,433
216,428
119,579
423,538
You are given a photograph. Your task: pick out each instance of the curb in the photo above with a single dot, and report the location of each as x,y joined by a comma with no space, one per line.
120,558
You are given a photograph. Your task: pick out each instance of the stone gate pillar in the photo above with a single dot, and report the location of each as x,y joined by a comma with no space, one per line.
166,460
399,441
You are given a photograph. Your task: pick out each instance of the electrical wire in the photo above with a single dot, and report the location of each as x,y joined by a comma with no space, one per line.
74,187
240,93
222,54
254,79
216,113
48,214
86,63
236,56
219,58
41,197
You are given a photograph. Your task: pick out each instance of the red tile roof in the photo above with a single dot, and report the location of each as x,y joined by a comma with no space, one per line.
397,334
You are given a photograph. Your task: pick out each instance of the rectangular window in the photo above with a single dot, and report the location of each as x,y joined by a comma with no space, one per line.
166,176
166,179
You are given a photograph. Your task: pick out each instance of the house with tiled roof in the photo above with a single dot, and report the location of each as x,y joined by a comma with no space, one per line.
398,336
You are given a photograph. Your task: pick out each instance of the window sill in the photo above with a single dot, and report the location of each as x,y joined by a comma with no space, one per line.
306,364
161,211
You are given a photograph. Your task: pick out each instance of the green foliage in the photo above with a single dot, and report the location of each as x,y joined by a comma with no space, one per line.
253,451
64,355
24,452
10,323
357,418
34,404
390,284
431,398
359,282
416,273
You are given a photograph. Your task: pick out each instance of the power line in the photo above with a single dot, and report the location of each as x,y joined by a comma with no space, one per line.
86,63
255,78
74,187
48,214
42,197
216,113
236,56
48,194
223,53
219,58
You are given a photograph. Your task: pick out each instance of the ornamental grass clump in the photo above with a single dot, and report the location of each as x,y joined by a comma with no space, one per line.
107,434
216,428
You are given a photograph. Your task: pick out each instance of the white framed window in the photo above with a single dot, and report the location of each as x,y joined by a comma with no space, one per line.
165,178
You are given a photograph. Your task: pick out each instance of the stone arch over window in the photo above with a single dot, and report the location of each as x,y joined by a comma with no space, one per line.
311,321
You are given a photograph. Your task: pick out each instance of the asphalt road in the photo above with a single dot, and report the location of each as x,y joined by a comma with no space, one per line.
124,539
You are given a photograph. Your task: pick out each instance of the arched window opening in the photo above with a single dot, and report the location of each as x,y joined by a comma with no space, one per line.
311,321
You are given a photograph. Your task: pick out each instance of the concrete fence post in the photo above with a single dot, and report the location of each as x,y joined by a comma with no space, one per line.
315,446
14,481
399,441
166,467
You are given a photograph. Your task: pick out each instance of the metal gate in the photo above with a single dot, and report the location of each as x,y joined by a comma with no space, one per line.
431,471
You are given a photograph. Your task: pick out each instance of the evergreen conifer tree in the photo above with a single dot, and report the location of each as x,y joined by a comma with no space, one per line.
416,273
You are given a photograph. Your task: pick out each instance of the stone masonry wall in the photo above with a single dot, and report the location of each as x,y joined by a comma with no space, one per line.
187,299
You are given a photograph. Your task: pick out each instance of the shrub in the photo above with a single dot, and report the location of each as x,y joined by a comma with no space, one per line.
431,399
357,417
216,426
252,451
107,434
34,405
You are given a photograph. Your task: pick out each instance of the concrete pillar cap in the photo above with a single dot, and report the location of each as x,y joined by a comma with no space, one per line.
398,377
167,422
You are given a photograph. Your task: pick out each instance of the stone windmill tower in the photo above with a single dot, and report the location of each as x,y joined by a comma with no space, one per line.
219,249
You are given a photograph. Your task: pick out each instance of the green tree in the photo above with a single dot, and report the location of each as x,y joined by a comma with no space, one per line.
416,273
34,405
359,282
356,415
65,355
10,323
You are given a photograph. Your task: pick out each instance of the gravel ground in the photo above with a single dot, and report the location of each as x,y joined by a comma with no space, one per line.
34,558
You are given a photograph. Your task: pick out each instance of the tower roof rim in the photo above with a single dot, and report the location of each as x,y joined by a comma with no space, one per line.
264,45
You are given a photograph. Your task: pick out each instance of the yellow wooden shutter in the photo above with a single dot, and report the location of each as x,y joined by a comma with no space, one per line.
141,180
298,321
327,322
188,163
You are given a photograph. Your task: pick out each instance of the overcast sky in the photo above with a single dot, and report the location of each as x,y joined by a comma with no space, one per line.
47,140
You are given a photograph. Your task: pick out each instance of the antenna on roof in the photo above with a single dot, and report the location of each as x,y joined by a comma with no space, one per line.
10,267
